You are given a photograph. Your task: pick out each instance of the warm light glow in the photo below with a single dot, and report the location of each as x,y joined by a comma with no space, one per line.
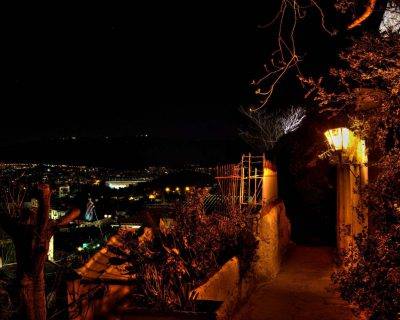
362,156
339,138
126,226
177,189
187,189
152,196
342,139
167,189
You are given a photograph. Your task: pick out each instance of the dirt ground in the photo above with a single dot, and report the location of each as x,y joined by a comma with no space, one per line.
301,291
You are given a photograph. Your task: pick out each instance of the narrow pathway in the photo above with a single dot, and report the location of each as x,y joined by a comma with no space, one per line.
300,291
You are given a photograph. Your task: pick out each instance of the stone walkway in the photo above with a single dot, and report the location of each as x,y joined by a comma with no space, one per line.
299,292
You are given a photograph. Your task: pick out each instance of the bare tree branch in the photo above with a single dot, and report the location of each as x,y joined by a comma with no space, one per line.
286,56
368,10
43,209
266,127
291,119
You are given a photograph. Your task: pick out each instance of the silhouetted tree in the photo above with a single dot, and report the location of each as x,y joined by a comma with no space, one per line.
30,230
266,127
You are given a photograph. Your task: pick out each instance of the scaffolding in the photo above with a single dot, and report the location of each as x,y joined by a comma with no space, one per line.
252,169
241,186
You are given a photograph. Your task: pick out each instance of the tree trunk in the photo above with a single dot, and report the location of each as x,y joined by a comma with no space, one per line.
33,296
40,296
27,303
31,231
31,260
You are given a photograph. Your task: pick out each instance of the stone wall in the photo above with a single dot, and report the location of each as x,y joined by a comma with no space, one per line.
274,238
227,285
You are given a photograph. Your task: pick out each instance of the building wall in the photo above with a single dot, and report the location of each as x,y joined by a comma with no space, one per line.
350,179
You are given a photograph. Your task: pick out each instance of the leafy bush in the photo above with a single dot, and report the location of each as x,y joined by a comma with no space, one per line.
365,90
370,275
168,262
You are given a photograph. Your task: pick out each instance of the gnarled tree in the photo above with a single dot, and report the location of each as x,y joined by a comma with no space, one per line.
30,230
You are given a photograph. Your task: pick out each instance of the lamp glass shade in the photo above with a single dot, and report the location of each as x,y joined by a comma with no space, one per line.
339,138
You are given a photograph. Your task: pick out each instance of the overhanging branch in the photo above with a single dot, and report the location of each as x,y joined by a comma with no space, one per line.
368,11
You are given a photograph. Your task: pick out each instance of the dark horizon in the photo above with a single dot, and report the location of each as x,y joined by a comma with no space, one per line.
174,72
127,152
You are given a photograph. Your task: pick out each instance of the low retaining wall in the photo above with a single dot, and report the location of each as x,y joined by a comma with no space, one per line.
228,286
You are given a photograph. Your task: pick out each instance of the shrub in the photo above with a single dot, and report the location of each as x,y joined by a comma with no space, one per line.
168,262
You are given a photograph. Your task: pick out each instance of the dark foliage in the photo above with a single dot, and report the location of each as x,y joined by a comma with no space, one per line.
170,261
366,89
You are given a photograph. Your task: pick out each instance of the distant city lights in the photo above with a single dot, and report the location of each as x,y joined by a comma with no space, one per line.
127,226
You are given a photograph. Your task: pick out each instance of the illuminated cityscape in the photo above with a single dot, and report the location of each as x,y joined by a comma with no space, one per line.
200,160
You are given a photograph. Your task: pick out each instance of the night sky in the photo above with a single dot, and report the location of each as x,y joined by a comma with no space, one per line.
168,70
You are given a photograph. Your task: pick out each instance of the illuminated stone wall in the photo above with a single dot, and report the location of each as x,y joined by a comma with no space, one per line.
273,233
274,238
228,286
273,229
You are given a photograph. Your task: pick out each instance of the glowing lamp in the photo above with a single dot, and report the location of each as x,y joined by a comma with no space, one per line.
167,189
187,189
152,196
339,138
177,189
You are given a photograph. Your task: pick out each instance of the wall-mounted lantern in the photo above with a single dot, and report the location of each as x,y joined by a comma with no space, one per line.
345,142
339,138
351,159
